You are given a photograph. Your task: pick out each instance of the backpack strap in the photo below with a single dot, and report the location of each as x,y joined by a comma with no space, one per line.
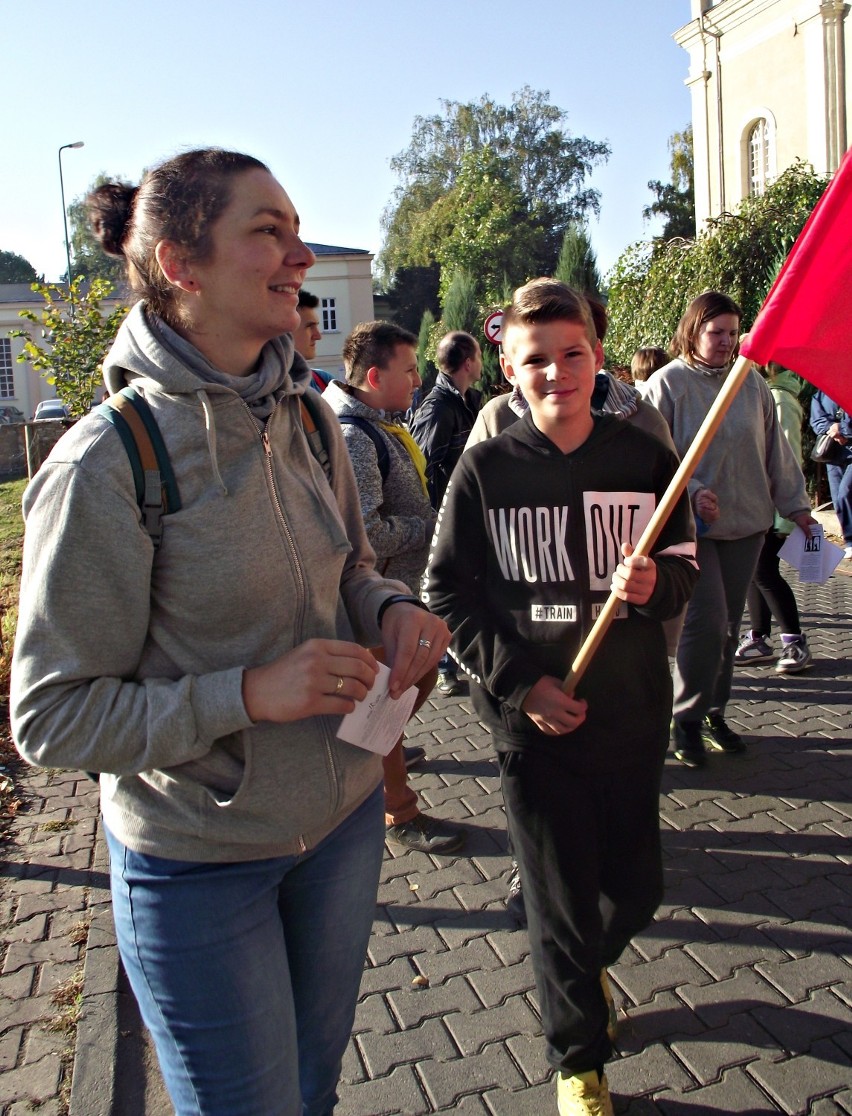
153,477
309,406
375,437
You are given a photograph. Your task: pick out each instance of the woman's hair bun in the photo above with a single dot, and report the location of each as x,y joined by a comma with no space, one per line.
110,208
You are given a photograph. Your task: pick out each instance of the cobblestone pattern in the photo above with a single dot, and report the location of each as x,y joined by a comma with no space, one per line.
49,891
736,1000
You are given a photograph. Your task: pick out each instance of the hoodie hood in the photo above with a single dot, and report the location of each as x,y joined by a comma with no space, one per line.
786,381
147,353
146,349
342,399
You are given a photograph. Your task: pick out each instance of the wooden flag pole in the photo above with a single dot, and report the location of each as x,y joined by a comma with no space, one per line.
679,481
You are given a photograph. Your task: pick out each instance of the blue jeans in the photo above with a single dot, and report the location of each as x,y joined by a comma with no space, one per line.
840,483
247,974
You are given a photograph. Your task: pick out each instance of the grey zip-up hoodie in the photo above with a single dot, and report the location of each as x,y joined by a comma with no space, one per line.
131,663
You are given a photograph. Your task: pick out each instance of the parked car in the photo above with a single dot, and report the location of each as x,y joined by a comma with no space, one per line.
50,409
8,415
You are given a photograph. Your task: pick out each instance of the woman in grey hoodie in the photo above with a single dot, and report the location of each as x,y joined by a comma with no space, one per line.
205,681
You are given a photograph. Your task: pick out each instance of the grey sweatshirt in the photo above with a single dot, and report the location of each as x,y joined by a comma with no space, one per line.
748,464
131,663
397,513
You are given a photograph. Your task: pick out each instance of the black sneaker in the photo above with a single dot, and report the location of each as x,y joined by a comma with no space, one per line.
425,834
449,685
515,898
688,745
413,755
719,735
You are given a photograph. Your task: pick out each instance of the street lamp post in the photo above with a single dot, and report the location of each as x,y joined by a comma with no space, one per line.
64,147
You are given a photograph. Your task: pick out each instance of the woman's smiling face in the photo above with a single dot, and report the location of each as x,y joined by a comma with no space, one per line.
247,290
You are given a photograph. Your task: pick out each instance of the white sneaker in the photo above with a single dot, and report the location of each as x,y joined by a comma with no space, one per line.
848,552
754,648
795,656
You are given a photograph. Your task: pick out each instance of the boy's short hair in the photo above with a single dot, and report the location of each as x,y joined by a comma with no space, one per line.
306,299
599,316
454,349
548,300
645,363
372,344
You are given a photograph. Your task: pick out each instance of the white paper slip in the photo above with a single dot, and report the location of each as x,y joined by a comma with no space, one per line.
377,722
816,558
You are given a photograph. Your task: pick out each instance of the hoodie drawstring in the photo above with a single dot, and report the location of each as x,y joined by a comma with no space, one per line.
210,427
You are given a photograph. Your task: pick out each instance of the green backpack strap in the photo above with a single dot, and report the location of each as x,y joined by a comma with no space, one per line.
153,477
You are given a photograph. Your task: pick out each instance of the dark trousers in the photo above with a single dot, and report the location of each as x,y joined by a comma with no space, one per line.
769,594
704,667
589,852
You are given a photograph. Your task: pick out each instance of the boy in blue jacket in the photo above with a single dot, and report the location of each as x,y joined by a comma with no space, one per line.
537,524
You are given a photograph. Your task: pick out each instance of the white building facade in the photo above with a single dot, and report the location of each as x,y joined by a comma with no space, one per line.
341,279
769,83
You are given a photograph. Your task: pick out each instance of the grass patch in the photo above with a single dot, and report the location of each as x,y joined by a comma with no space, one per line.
68,997
78,935
11,547
59,826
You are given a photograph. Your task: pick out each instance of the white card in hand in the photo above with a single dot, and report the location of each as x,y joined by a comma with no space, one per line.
377,722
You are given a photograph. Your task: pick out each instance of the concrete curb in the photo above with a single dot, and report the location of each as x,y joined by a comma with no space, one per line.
93,1082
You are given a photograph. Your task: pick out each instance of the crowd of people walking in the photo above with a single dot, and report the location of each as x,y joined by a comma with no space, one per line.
312,544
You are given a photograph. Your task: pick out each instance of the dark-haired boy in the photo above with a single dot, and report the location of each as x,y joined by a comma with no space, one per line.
537,524
441,427
306,336
381,376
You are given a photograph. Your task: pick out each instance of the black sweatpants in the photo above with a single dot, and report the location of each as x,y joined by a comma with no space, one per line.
590,857
769,594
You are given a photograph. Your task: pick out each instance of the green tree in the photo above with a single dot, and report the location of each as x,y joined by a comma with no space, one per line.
78,332
16,269
478,227
414,291
652,283
426,369
489,188
464,310
675,200
88,258
461,304
577,264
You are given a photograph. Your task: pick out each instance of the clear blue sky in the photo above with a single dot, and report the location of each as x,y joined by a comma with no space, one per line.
324,93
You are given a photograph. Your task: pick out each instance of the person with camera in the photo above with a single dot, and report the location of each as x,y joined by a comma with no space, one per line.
827,418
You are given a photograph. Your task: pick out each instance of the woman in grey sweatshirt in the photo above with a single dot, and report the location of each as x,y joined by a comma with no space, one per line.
746,473
205,681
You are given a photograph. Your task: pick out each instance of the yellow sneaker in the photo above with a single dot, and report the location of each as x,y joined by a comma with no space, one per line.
612,1025
583,1094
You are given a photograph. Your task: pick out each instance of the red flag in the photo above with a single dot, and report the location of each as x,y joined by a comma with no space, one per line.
806,321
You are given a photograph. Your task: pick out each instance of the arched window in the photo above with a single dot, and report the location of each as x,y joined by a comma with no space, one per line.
758,157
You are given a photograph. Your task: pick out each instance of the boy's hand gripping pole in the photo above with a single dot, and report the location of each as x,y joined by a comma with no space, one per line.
679,481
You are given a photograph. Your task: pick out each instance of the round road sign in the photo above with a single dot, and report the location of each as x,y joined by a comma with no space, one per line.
494,327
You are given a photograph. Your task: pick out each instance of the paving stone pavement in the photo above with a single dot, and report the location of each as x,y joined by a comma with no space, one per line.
735,1000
